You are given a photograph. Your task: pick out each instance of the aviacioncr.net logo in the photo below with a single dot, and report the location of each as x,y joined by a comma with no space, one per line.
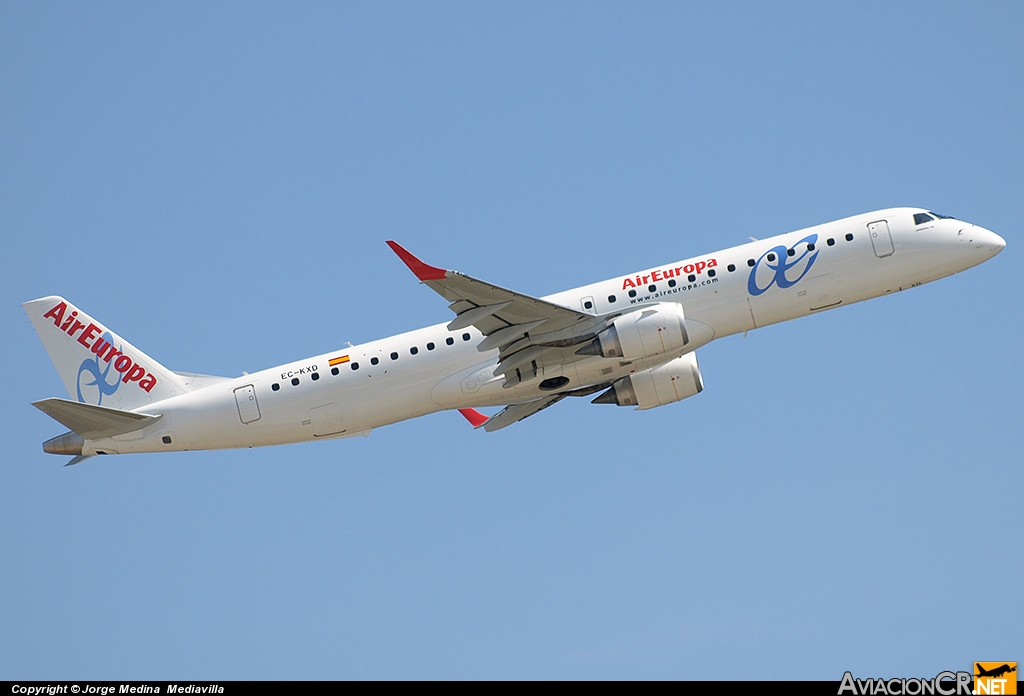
942,684
777,267
99,387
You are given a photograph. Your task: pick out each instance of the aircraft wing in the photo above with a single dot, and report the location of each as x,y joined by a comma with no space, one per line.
510,414
527,331
517,412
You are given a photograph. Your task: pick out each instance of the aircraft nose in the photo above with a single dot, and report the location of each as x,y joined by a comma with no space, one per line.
988,240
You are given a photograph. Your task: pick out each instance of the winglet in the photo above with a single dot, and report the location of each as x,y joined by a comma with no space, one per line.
475,418
423,271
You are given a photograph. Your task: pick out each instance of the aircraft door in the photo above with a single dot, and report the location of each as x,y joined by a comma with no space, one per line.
881,239
248,408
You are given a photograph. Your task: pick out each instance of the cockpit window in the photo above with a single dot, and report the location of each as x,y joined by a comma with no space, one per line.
921,218
943,217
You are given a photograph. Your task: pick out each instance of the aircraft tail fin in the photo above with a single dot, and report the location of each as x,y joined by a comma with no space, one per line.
96,365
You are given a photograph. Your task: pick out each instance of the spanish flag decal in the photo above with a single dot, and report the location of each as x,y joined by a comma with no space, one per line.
338,361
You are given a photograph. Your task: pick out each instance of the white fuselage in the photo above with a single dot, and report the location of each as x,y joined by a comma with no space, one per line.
730,291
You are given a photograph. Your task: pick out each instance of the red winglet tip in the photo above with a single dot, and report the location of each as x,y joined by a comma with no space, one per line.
475,418
423,271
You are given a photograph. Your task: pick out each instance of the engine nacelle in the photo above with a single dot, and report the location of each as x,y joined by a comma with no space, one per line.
665,384
645,333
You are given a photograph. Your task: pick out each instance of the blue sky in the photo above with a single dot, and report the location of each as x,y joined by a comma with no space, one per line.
216,182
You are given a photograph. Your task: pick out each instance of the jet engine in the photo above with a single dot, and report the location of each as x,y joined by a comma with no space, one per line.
645,333
664,384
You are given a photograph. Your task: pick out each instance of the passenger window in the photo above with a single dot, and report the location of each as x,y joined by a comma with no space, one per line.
449,340
921,218
588,305
831,242
771,257
394,356
295,381
430,346
374,361
414,350
315,376
465,337
810,247
632,293
672,283
692,278
731,267
611,299
652,288
750,262
355,366
711,273
849,237
275,386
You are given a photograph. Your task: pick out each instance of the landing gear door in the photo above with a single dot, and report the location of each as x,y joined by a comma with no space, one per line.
881,240
248,409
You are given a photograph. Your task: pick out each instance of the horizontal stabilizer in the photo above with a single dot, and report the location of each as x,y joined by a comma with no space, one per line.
93,422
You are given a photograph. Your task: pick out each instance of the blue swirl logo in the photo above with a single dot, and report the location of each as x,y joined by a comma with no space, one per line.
783,266
99,376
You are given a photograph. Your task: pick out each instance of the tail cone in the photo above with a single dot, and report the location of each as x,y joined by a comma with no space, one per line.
68,443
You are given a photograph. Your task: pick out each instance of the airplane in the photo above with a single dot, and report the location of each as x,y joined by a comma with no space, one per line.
630,339
996,671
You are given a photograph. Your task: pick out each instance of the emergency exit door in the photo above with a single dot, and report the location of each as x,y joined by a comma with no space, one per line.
881,240
248,409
